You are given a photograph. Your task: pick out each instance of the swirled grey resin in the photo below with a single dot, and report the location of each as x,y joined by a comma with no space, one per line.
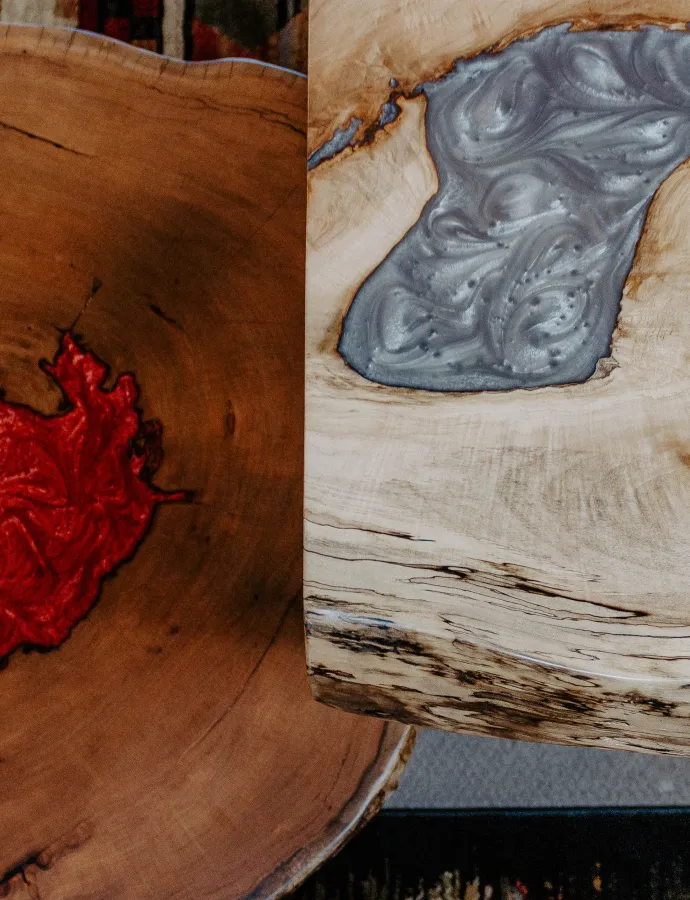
548,155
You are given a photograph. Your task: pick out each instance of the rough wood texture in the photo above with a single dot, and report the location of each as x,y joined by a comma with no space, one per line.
513,564
170,748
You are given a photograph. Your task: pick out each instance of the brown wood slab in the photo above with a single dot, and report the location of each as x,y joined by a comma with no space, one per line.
511,563
170,748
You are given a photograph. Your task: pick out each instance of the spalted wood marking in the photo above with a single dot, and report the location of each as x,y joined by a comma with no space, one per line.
510,563
170,747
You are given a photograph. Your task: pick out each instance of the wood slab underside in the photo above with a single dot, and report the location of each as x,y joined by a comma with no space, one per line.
170,748
513,564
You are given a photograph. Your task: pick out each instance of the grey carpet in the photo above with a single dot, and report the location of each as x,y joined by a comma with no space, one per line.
462,772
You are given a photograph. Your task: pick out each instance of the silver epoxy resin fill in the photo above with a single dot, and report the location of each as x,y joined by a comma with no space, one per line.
548,155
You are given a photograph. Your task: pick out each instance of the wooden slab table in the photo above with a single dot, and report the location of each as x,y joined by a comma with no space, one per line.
512,562
170,747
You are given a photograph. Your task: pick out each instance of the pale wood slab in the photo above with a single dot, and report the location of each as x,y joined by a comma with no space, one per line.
170,748
512,564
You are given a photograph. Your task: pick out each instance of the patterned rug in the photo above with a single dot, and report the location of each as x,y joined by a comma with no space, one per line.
274,31
271,30
513,855
137,22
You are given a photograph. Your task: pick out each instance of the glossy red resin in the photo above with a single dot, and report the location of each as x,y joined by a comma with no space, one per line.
74,502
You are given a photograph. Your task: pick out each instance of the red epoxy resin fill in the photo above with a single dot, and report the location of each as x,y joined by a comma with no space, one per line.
74,502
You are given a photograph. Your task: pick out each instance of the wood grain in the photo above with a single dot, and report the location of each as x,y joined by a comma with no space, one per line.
170,748
512,564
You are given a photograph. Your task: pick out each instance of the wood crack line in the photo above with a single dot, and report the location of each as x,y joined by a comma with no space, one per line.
37,137
23,874
276,117
95,288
